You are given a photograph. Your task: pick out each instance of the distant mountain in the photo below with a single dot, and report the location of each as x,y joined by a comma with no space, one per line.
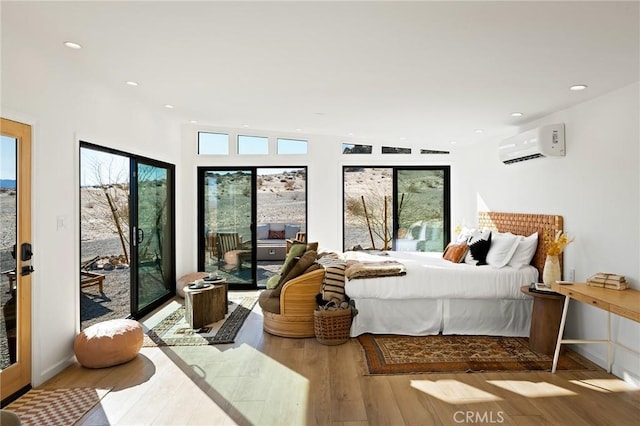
8,183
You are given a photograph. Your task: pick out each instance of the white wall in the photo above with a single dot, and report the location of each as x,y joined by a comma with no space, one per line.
62,105
596,188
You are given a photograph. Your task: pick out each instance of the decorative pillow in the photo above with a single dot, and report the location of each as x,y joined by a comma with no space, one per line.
503,246
291,230
262,231
296,250
299,267
276,235
475,237
276,226
455,252
525,251
273,281
464,235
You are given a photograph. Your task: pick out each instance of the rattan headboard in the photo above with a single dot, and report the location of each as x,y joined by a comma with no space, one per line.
526,224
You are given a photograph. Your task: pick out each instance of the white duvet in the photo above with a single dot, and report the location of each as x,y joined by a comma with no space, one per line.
429,276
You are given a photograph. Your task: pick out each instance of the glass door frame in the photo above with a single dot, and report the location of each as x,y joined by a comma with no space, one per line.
200,231
16,378
446,208
134,202
133,222
201,237
394,220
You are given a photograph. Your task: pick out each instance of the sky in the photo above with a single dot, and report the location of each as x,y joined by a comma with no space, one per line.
7,158
101,167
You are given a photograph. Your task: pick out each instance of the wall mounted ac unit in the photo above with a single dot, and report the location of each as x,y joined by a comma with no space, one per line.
545,141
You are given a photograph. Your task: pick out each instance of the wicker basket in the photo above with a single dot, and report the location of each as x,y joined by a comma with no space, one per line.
332,327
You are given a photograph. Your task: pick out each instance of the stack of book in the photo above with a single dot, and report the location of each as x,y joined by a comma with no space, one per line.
612,281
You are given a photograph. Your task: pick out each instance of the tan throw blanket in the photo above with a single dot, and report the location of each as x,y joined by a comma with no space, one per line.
368,269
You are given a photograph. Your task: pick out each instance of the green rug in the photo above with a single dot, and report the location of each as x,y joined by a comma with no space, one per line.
173,330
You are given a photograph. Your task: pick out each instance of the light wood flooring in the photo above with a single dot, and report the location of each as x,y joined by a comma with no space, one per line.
268,380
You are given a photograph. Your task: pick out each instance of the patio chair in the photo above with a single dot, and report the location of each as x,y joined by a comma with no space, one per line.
231,251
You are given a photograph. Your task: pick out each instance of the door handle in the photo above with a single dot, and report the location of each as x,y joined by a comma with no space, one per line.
140,236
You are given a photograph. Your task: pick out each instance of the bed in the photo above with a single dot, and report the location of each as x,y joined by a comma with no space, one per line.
437,296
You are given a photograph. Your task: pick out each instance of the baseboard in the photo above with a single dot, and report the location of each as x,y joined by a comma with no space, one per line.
624,363
52,371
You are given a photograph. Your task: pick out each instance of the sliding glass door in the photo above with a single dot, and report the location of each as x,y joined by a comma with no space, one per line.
226,213
399,208
421,208
153,235
245,216
127,254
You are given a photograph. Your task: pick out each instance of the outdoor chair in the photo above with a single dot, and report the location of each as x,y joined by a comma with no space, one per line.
231,251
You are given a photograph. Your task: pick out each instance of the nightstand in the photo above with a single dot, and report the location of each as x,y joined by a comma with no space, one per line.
545,320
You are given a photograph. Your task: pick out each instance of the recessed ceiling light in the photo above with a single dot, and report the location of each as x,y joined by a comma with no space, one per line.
168,106
350,133
479,131
577,87
193,122
72,45
403,138
298,130
245,125
517,114
453,142
131,83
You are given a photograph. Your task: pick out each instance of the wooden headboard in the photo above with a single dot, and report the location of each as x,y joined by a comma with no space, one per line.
526,224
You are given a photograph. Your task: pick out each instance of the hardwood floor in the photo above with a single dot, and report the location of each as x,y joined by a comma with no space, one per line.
268,380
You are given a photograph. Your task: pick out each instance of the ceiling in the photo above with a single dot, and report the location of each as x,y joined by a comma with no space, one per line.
407,73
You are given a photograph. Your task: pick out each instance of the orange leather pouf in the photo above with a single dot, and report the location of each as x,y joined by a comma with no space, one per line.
108,343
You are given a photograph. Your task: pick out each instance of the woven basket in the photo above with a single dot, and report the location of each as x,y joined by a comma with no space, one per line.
332,327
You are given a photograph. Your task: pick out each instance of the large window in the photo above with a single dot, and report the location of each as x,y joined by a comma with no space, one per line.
400,208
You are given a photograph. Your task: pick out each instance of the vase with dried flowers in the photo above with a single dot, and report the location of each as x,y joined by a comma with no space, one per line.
551,272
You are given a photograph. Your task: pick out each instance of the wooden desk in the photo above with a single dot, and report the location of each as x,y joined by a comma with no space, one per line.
625,303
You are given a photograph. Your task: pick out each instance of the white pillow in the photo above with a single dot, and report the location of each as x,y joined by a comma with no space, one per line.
262,231
291,230
525,251
503,246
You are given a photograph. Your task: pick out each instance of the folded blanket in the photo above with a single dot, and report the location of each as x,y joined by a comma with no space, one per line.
333,283
368,269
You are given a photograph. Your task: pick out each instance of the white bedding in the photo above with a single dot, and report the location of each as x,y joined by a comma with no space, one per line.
429,276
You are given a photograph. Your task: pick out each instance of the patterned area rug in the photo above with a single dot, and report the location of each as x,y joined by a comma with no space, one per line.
391,354
173,330
55,406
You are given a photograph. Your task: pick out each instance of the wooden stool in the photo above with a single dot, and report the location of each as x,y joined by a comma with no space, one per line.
205,305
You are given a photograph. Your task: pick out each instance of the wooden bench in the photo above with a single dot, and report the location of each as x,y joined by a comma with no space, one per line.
88,279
